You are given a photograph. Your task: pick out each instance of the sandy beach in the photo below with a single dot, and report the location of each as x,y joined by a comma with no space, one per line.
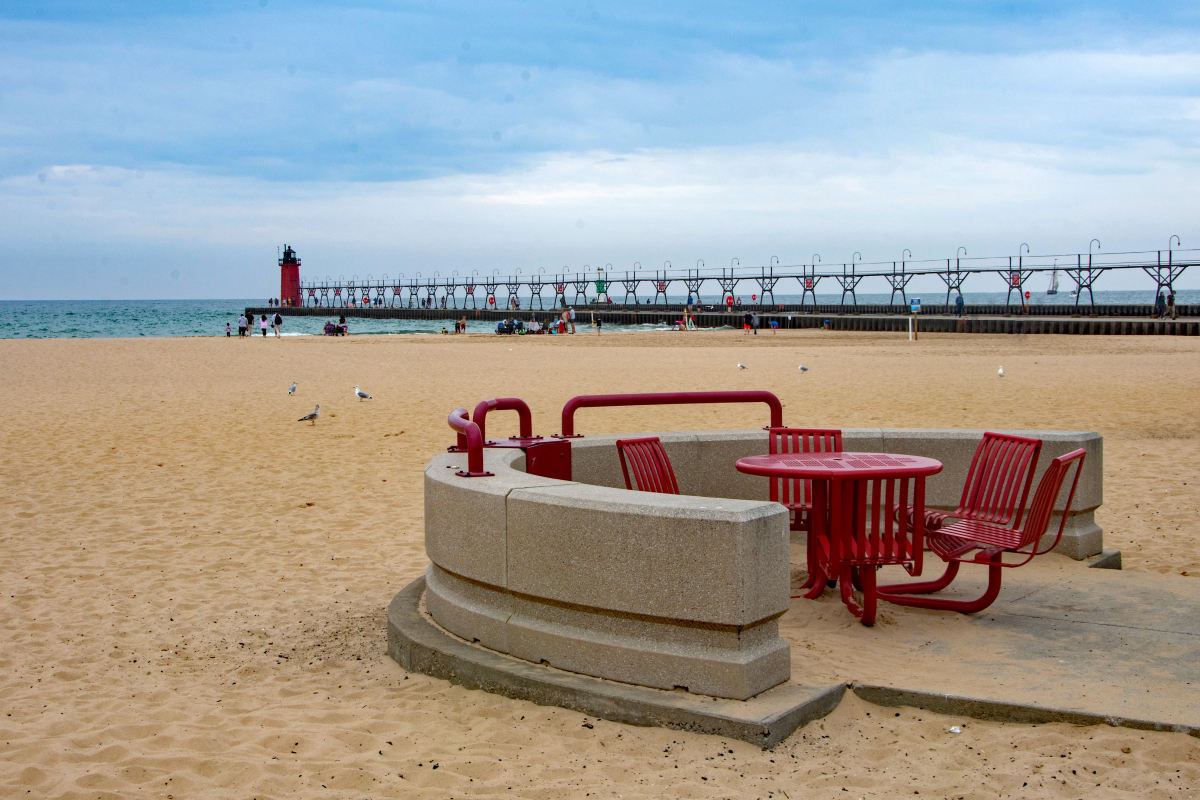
194,584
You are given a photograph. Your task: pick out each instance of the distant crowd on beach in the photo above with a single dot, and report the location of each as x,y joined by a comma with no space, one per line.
560,324
245,325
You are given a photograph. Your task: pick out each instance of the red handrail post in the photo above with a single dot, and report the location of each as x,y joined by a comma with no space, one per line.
469,431
524,415
665,399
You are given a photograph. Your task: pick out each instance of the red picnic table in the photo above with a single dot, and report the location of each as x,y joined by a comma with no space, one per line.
868,510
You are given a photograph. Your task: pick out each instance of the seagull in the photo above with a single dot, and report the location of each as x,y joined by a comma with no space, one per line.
803,368
292,388
316,412
1001,373
360,394
741,365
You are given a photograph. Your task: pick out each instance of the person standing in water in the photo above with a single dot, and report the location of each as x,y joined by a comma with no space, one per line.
263,325
242,326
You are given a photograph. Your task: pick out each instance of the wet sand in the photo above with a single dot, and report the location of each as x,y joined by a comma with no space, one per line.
194,584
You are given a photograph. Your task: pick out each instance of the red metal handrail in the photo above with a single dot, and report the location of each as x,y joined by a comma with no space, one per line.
470,438
524,415
666,399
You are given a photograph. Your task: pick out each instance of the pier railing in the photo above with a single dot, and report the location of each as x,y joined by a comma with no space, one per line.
715,286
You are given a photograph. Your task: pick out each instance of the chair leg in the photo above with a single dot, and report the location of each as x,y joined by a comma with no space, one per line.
865,576
924,587
847,587
812,574
870,594
818,580
962,606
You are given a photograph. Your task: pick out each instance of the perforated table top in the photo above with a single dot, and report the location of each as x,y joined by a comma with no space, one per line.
838,465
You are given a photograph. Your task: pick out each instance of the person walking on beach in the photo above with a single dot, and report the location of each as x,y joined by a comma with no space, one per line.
278,323
228,330
263,325
599,323
746,324
241,326
1171,303
754,323
571,311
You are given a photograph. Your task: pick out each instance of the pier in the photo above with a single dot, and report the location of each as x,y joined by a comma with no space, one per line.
1122,320
590,293
724,286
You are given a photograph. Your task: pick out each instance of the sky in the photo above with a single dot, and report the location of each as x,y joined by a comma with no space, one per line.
166,150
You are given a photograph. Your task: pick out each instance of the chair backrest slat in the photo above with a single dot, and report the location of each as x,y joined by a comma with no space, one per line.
1042,507
651,467
999,479
799,440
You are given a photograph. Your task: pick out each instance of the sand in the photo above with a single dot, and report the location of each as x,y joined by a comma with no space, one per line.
193,584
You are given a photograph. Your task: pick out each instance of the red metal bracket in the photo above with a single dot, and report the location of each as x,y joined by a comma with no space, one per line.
470,439
665,399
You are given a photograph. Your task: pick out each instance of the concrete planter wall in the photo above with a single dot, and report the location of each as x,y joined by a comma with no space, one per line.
657,590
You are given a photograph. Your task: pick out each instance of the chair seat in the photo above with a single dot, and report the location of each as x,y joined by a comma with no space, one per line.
954,541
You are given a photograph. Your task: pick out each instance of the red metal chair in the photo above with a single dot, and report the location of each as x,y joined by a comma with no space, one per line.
651,467
869,525
796,496
1002,466
980,542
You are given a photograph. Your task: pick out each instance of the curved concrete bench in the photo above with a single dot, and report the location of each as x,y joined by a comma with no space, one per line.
666,591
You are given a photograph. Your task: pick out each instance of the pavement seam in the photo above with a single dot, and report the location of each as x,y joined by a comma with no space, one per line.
1102,624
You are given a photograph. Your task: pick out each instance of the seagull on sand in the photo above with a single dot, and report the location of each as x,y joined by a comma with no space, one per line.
360,394
741,365
1001,372
292,388
316,412
803,368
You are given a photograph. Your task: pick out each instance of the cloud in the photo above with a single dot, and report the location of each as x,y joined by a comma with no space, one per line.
647,206
366,134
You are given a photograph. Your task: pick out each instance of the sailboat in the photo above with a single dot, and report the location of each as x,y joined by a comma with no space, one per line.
1053,282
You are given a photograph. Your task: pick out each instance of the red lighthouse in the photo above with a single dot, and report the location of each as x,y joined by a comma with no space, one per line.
289,278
